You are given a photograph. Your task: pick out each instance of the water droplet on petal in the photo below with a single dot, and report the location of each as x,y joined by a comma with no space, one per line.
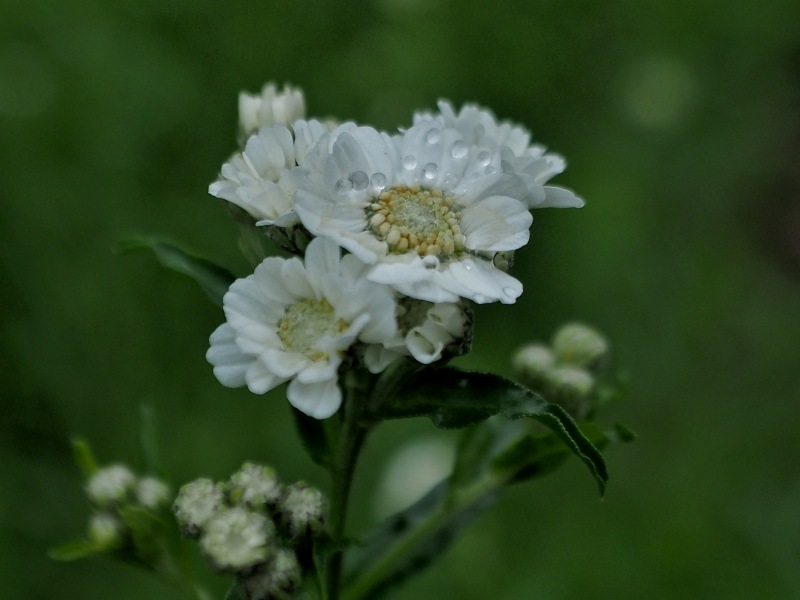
484,158
360,181
430,171
490,170
433,136
409,162
379,181
343,186
468,265
459,149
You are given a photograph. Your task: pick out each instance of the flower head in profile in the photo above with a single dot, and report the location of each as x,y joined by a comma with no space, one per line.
530,161
295,320
425,209
270,107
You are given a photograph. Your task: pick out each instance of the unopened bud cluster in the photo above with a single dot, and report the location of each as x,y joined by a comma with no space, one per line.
253,527
114,489
565,370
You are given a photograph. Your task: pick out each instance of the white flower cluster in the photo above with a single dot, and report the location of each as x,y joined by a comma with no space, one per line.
427,219
114,488
252,526
565,370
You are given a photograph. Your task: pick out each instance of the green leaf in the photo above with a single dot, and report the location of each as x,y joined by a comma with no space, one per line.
233,593
74,550
454,398
148,440
212,278
313,435
408,542
84,458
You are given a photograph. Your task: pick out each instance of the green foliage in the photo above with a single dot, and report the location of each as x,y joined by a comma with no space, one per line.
452,398
212,278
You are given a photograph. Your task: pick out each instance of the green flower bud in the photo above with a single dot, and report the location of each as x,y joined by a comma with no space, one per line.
110,485
571,387
255,486
197,502
152,493
106,530
303,509
580,345
531,362
237,539
276,579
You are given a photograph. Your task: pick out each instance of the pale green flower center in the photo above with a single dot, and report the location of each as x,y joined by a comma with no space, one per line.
307,321
416,220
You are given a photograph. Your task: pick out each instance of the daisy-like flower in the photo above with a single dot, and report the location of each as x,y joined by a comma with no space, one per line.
291,320
270,107
259,179
480,127
425,331
237,539
425,209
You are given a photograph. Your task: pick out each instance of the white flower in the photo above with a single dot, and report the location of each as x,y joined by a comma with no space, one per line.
480,127
255,486
259,179
425,209
290,320
304,508
152,493
277,578
197,502
110,485
270,108
237,539
424,331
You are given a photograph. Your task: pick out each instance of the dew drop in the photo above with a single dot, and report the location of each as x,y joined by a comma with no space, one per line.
484,158
468,265
378,181
490,170
409,162
343,186
433,136
360,181
430,171
459,149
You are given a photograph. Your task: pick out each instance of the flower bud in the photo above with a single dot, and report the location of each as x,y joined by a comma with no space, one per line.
278,578
531,362
197,502
152,493
571,387
270,107
303,509
110,485
255,486
106,530
237,539
580,345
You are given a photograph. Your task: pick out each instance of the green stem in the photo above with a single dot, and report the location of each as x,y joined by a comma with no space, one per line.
351,438
449,509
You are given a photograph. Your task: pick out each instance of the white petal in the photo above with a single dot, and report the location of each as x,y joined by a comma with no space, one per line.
496,224
230,364
480,281
560,198
318,400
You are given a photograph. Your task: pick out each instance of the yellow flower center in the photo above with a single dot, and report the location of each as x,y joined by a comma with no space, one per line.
410,219
305,322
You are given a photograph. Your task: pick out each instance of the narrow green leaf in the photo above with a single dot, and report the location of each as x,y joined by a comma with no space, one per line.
454,398
408,542
148,440
74,550
313,436
233,593
212,278
84,458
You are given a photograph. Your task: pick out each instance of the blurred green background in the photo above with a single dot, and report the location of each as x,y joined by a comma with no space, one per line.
680,123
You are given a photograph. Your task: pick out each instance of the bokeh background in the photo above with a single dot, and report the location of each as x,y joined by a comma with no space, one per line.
680,123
